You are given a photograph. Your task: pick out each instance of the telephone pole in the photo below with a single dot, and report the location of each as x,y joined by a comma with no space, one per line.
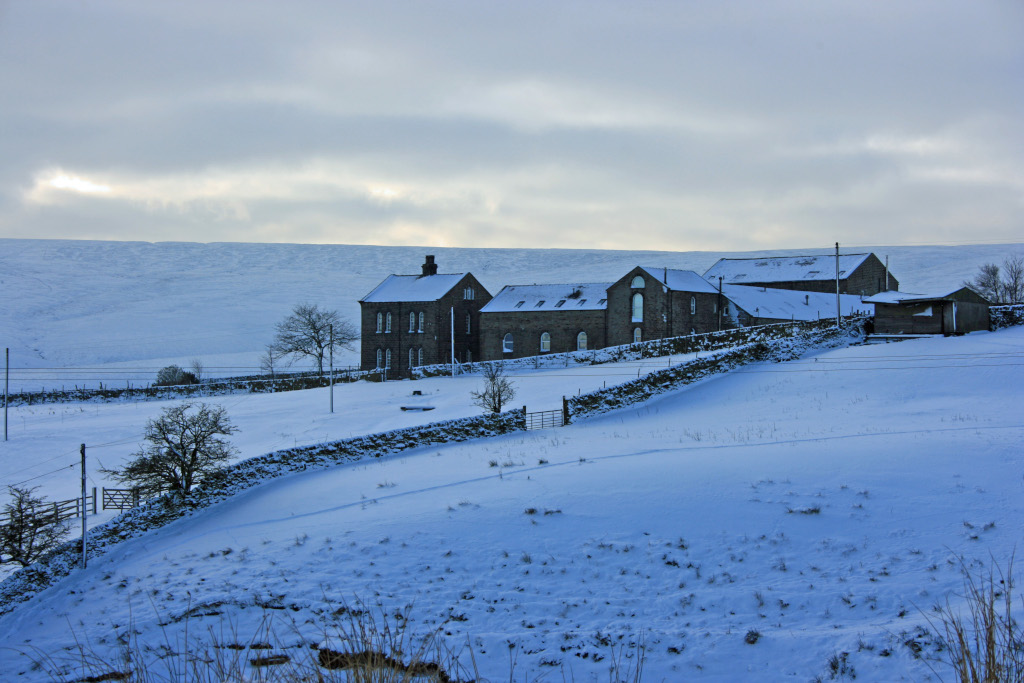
332,366
7,379
85,509
838,309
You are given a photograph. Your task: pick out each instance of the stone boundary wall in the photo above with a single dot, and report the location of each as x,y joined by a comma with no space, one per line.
1005,316
234,479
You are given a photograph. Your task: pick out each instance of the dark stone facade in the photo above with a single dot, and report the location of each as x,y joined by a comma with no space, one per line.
866,280
666,312
527,327
429,344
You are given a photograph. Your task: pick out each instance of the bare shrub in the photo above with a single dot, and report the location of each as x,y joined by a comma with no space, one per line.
498,389
984,643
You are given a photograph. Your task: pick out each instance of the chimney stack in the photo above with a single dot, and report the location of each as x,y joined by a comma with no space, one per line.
429,267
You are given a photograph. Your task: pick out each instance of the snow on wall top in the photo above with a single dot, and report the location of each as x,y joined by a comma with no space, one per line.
680,280
784,268
589,296
787,304
401,288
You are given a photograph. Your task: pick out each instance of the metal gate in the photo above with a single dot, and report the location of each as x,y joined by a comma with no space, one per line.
545,419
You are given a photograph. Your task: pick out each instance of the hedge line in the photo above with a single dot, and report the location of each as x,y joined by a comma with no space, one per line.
1005,316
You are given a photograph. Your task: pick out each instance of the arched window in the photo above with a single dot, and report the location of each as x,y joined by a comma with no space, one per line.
387,358
380,324
637,335
638,307
412,324
419,355
581,341
420,329
638,282
506,343
545,342
469,323
693,305
469,356
387,322
380,358
412,357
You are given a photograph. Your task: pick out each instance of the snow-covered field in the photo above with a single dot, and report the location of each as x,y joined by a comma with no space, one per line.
822,503
79,312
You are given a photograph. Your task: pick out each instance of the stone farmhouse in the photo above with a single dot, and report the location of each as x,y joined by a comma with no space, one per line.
412,320
861,274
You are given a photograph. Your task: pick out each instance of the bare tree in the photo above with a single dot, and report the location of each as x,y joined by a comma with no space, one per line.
31,528
1005,286
197,369
307,332
498,389
184,447
271,359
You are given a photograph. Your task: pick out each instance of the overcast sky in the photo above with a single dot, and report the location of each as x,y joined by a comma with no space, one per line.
640,125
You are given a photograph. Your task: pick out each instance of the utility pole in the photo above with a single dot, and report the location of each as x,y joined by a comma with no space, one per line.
838,309
332,366
453,342
84,508
7,379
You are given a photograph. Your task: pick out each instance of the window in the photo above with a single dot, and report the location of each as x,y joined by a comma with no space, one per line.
380,357
506,343
469,323
638,307
412,325
559,304
638,282
420,329
582,301
419,356
602,302
539,303
581,341
380,324
520,304
693,305
412,357
637,335
468,293
545,342
387,358
469,356
387,321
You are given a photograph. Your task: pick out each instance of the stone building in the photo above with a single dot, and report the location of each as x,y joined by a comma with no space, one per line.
862,274
654,303
408,320
532,320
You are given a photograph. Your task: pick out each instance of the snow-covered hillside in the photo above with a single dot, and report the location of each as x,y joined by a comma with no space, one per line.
822,504
139,306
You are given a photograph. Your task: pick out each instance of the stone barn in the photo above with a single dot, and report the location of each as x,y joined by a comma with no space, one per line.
862,274
746,306
409,320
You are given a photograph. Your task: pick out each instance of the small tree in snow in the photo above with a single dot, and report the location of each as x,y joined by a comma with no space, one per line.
30,528
172,376
497,391
307,332
185,446
198,369
271,360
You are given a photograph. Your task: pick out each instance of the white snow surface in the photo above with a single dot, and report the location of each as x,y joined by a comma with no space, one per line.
412,288
587,296
822,503
785,268
782,304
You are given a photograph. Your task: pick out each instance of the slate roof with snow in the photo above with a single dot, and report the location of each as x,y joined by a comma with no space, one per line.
787,304
402,288
589,296
894,297
784,268
680,280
